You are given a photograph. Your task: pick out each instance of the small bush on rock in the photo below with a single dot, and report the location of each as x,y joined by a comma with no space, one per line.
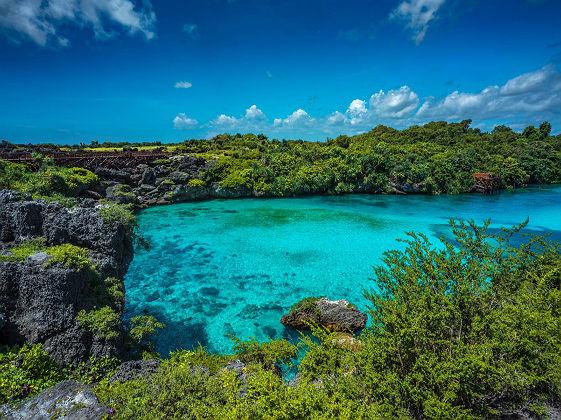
24,250
70,255
103,323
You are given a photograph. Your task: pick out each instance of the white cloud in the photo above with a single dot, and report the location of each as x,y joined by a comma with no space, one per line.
526,99
253,120
399,103
182,85
255,114
530,96
225,121
299,119
40,20
418,14
192,30
183,122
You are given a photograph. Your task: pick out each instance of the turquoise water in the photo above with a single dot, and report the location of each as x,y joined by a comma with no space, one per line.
233,267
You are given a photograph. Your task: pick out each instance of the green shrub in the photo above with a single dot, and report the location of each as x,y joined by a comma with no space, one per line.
116,290
269,354
94,370
196,183
307,305
122,213
24,250
104,323
143,328
49,181
26,371
70,255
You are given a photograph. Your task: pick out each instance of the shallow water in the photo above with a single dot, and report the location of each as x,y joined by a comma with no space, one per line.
233,267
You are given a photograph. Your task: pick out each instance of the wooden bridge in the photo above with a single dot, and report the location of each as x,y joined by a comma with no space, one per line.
89,160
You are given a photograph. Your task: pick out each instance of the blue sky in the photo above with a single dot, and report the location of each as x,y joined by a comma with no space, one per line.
108,70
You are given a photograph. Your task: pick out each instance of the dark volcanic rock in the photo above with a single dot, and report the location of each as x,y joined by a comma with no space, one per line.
70,400
336,315
113,174
39,304
135,369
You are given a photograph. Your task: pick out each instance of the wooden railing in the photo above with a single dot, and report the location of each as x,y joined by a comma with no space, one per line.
89,160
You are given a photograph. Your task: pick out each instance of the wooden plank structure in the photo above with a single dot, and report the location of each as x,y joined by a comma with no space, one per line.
90,160
486,183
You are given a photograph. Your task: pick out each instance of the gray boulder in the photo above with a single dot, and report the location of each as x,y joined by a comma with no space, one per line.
70,400
336,315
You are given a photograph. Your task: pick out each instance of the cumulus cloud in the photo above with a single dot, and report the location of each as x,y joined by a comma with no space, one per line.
253,120
254,114
394,105
192,29
299,119
182,85
183,122
529,98
417,14
398,103
40,20
534,95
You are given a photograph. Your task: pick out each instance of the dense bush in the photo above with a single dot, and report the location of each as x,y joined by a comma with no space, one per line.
25,371
103,322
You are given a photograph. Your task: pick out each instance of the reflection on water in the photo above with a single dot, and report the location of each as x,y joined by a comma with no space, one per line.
233,267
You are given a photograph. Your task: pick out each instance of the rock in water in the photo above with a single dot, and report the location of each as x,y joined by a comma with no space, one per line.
70,400
336,315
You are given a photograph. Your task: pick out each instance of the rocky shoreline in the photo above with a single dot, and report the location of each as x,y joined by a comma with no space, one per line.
178,180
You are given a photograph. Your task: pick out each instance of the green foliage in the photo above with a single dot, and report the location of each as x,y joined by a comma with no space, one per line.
50,181
269,354
143,328
196,183
70,255
94,370
21,252
438,157
26,371
465,329
104,323
122,213
124,192
307,305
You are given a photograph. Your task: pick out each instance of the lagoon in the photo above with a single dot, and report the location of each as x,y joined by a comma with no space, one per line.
233,267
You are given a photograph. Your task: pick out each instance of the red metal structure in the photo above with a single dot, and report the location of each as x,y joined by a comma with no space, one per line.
486,183
90,160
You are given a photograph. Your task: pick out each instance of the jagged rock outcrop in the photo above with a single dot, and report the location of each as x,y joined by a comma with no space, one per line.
69,400
39,303
338,315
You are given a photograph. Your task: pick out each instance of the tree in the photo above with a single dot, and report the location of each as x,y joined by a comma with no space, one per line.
545,129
